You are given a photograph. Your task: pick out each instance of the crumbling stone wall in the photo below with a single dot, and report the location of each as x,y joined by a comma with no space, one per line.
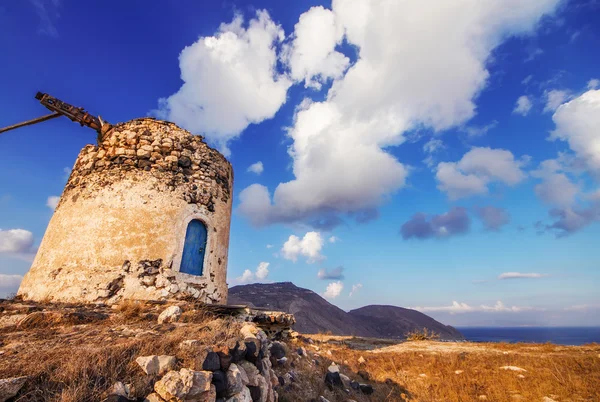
119,228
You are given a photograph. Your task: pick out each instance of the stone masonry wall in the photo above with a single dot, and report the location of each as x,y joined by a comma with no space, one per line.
119,228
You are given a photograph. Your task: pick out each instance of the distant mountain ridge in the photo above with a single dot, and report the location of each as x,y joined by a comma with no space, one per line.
314,314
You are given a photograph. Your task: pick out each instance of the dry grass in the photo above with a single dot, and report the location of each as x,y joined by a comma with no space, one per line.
427,371
78,356
422,335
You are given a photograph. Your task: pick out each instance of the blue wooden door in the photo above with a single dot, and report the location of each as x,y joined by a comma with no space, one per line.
194,248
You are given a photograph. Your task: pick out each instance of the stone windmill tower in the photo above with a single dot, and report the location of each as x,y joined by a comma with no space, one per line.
145,215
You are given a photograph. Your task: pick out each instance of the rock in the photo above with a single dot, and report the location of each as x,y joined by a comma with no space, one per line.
458,372
252,349
153,397
278,350
333,368
364,375
170,314
282,361
237,353
212,362
190,344
361,360
333,380
520,376
149,364
354,385
323,399
225,360
243,396
182,385
249,330
9,387
301,351
166,363
219,380
345,379
513,368
120,389
366,389
251,372
236,380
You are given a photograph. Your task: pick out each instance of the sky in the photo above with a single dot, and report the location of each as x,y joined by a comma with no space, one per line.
442,156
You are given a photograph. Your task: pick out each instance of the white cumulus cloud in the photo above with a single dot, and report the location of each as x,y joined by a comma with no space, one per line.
230,80
312,57
523,105
257,167
593,83
333,290
261,273
555,98
9,284
52,202
419,64
476,170
309,246
16,241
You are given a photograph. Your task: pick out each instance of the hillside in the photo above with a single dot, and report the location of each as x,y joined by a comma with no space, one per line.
390,321
314,314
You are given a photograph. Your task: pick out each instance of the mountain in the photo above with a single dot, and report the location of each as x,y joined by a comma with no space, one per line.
315,314
390,321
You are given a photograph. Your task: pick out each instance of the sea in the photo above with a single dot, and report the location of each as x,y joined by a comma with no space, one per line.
557,335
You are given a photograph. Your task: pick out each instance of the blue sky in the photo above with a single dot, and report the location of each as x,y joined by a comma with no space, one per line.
410,154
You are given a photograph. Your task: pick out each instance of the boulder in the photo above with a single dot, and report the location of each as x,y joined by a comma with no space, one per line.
251,372
225,360
154,397
212,362
278,350
183,384
238,352
9,387
243,396
120,389
170,314
333,380
301,351
166,363
149,364
219,380
333,368
236,380
249,330
252,349
366,389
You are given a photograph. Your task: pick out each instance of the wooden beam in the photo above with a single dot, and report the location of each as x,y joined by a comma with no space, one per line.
30,122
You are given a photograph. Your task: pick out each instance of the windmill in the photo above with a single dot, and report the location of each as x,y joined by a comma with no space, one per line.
60,108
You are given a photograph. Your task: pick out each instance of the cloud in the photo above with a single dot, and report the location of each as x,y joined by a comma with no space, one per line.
333,290
311,56
336,273
9,283
478,168
47,11
555,98
519,275
454,222
256,168
16,241
333,239
593,83
431,148
355,288
493,218
230,80
402,79
527,79
309,246
577,123
473,131
523,105
461,308
270,246
533,54
261,273
52,202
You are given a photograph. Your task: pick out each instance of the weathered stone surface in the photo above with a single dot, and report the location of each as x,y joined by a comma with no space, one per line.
149,364
9,387
170,314
243,396
333,368
251,372
333,380
184,384
110,206
154,397
366,389
120,389
219,380
212,362
236,380
166,363
278,350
